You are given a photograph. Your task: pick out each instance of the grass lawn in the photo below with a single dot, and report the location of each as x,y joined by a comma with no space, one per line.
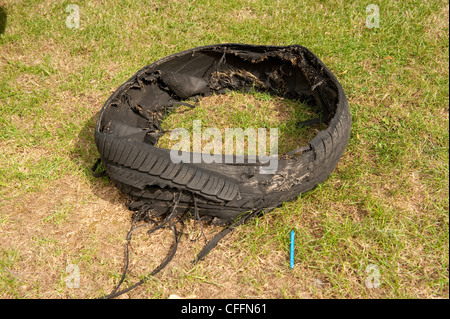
381,218
245,111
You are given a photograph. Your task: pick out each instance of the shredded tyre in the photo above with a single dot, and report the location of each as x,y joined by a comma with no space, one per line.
128,129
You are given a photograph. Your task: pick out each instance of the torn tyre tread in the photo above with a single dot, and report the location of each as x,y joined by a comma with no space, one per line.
128,129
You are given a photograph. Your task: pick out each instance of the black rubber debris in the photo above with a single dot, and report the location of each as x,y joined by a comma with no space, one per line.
128,128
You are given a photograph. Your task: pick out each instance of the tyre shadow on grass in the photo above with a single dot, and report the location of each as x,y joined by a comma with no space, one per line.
3,20
84,156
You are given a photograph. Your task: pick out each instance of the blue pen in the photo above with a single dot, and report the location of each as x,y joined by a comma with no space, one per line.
292,249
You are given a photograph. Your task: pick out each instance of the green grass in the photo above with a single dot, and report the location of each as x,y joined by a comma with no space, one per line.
386,203
249,112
